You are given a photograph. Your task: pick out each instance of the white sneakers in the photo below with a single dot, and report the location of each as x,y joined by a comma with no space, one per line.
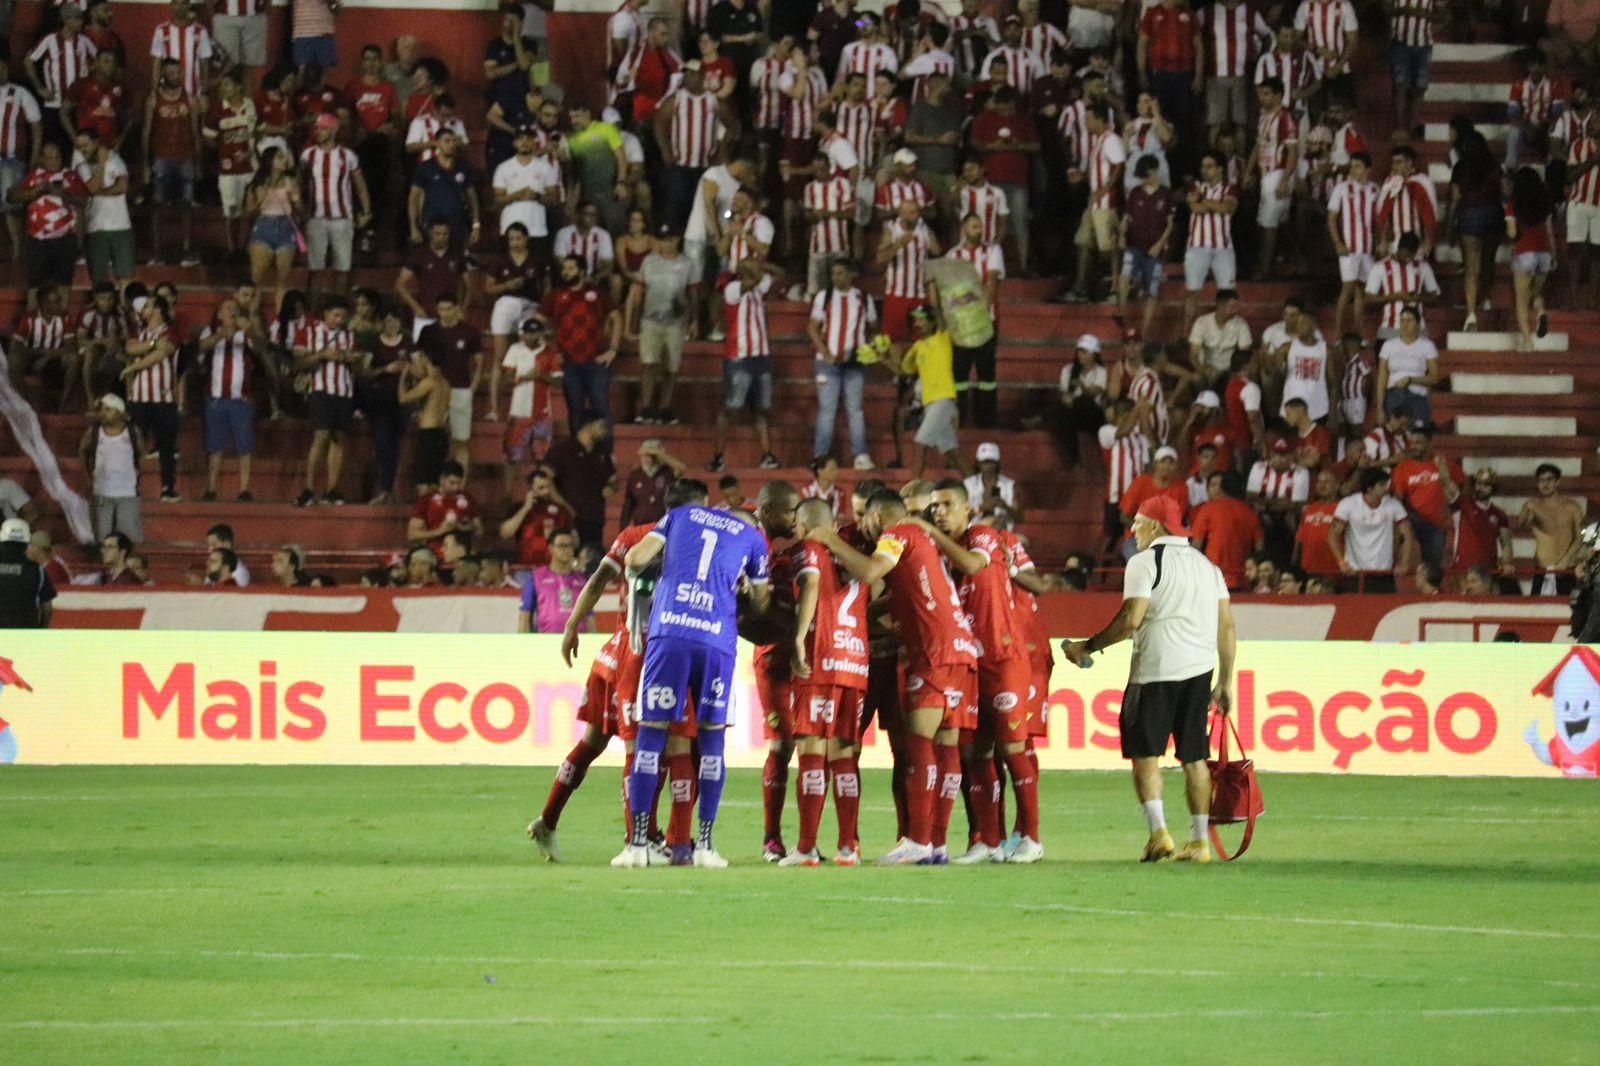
631,856
979,852
864,462
708,859
801,858
906,853
1027,850
545,838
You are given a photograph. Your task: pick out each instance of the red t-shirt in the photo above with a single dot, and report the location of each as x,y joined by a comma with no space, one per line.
1217,436
1318,439
837,641
51,216
578,316
235,148
987,599
373,103
272,110
924,602
1004,167
1171,34
98,106
1229,529
170,127
1144,487
533,536
1477,533
1417,485
1312,536
433,509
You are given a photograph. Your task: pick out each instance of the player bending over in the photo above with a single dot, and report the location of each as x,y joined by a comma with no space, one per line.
693,637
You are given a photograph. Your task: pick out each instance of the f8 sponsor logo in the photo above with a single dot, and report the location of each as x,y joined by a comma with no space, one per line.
660,697
822,709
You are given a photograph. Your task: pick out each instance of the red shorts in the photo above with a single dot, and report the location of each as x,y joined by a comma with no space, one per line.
897,317
599,706
830,711
1004,689
776,701
1039,712
629,669
953,689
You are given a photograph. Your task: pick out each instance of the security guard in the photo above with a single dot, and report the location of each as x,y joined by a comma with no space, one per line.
25,590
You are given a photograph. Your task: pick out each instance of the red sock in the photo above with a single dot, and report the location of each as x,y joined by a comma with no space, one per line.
774,788
570,775
627,815
922,775
897,783
948,766
846,775
980,792
1025,779
998,765
811,793
680,823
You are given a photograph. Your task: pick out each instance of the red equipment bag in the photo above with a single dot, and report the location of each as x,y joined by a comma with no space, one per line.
1235,795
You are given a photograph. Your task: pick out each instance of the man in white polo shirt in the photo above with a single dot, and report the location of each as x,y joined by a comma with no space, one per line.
1370,535
1175,607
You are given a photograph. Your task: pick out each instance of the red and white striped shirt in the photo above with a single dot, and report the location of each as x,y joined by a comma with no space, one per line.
1406,205
987,259
926,66
626,25
1146,385
330,377
830,236
893,193
1347,141
425,129
905,276
1233,36
241,8
800,112
765,75
757,227
1275,132
971,50
1279,484
988,203
1534,98
1041,40
18,110
155,384
1413,28
845,315
1074,128
866,58
1357,377
1581,147
94,326
331,174
593,247
1390,277
1327,24
695,12
1380,444
1126,458
1022,66
230,359
747,320
858,124
42,332
1106,153
1356,204
1297,70
61,63
696,130
190,45
1212,229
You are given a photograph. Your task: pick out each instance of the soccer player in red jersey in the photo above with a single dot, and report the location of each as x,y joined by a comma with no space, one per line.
1027,585
979,557
941,665
830,665
775,509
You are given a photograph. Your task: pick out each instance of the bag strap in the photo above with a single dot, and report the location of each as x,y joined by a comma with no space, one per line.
1244,841
1228,726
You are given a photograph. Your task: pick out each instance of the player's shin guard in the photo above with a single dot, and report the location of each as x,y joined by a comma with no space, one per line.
680,824
981,807
712,776
948,766
922,779
644,780
811,794
847,800
774,790
1025,781
570,775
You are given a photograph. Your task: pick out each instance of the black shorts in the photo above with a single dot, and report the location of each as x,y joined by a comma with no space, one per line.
330,413
428,456
1158,710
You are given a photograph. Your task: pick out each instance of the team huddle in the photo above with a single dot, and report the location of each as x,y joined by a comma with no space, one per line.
912,615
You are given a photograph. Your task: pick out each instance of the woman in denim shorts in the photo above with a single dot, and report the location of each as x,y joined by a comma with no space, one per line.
274,198
1528,223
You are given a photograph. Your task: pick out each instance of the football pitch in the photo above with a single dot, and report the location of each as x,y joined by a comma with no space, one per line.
398,915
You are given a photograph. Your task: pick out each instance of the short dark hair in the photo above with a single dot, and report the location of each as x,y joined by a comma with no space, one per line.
686,491
1273,84
866,487
885,499
1364,158
1227,294
222,531
230,560
1372,477
1409,242
123,542
451,468
1547,468
1146,166
1403,151
1233,484
728,481
951,484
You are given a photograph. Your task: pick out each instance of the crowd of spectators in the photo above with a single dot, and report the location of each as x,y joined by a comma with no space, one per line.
1103,143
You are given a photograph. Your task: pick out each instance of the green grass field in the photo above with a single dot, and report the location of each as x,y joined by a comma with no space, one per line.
397,915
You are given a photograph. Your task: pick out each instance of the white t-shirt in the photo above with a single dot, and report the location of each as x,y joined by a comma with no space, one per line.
521,359
632,149
107,214
1004,486
539,173
727,185
1074,384
13,498
1178,638
1369,538
1307,377
1218,343
1408,360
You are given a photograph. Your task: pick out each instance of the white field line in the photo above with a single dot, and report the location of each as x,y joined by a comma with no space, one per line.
839,965
1143,1017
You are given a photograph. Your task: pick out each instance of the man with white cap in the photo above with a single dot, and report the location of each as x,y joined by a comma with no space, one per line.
991,492
110,450
904,184
25,590
1208,425
1082,394
1175,606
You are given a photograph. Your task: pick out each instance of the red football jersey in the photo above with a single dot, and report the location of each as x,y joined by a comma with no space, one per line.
433,509
1027,606
924,602
987,599
837,641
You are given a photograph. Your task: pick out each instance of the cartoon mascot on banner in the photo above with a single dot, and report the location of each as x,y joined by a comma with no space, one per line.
8,737
1574,686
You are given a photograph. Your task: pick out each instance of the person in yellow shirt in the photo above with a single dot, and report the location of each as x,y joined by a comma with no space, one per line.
931,358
